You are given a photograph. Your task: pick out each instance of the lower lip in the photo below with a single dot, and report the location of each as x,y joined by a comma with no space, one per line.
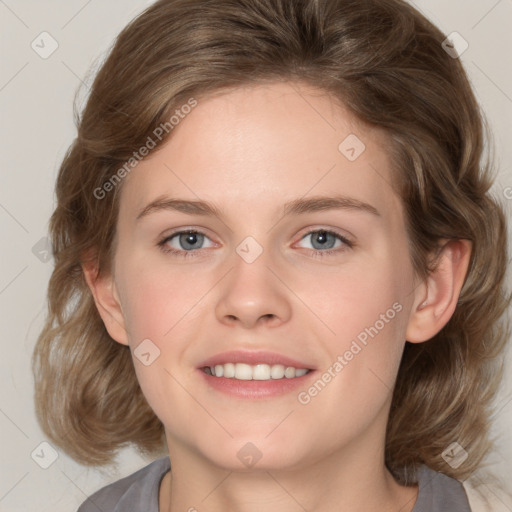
256,388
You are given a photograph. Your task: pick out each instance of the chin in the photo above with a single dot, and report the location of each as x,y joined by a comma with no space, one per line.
258,455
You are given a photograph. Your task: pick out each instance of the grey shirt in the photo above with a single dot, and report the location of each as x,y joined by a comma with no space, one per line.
139,492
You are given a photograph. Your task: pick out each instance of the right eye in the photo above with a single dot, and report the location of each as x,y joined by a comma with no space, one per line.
184,243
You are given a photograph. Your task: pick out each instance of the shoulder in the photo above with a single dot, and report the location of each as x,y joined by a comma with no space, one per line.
487,494
440,493
136,492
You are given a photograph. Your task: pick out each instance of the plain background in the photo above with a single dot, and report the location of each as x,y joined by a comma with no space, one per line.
36,105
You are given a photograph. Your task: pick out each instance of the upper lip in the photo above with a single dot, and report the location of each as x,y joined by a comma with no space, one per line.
252,358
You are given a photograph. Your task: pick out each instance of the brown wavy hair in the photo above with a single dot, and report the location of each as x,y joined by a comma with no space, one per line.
385,62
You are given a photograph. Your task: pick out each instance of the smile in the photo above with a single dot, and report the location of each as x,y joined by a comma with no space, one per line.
242,371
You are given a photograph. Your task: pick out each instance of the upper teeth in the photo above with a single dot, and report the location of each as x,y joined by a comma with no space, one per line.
244,371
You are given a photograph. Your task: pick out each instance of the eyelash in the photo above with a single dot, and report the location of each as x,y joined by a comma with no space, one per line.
193,253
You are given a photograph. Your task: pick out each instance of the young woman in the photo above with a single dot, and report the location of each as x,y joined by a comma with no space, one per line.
277,259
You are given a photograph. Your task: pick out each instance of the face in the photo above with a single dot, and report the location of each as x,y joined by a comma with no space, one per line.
263,237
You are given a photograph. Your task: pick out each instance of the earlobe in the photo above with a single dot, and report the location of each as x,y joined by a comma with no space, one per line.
436,299
107,301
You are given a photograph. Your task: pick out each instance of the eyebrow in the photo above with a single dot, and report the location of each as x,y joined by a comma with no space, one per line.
295,207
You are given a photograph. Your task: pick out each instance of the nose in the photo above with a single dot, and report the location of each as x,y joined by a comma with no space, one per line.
251,294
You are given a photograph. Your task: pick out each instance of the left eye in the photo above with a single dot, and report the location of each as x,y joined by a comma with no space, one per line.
323,239
186,241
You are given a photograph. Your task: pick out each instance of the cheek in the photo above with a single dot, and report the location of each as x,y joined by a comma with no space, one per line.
155,299
161,306
348,301
164,306
363,315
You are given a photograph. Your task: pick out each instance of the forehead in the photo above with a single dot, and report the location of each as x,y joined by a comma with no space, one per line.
264,145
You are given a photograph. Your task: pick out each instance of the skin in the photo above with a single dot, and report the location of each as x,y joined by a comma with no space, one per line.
249,151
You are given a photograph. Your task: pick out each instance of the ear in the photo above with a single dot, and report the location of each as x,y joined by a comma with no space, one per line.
107,301
436,298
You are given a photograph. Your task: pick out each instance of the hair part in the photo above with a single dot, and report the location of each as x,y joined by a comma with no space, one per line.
383,61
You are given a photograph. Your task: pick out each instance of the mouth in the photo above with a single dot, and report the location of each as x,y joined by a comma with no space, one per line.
261,371
255,374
